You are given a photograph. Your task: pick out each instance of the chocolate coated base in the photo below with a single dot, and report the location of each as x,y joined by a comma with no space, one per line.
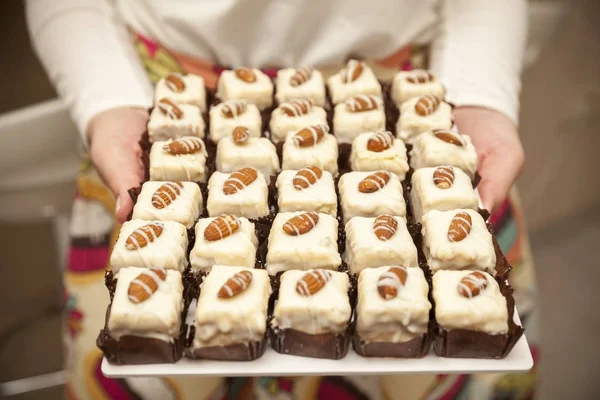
326,345
414,348
136,350
234,352
461,343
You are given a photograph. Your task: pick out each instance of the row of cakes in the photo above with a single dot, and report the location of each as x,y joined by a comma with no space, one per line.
378,248
244,94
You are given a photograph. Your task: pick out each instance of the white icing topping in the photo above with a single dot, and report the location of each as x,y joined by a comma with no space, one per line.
163,127
237,249
323,154
328,310
314,249
347,125
426,196
429,151
313,89
221,127
282,125
167,250
194,92
387,200
257,153
394,159
260,92
398,319
366,83
364,250
251,202
319,197
403,90
181,167
486,312
411,124
158,316
475,251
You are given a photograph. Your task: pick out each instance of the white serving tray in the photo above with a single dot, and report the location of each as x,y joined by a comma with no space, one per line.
275,364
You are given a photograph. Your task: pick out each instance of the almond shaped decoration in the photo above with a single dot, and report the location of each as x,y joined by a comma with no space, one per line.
297,107
312,282
169,109
245,74
301,224
166,194
233,108
420,76
449,137
302,75
221,227
362,103
143,236
443,177
472,285
235,285
352,72
460,227
307,177
145,284
427,105
174,82
310,135
374,182
240,135
239,179
384,227
391,281
184,145
380,141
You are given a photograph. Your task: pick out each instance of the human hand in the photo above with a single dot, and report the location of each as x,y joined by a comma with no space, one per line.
114,135
501,156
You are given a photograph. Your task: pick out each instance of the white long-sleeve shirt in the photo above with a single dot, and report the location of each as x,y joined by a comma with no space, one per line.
86,49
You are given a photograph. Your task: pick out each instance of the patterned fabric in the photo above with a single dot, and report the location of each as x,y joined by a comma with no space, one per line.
94,230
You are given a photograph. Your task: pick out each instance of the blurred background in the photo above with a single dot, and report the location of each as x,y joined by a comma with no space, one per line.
559,189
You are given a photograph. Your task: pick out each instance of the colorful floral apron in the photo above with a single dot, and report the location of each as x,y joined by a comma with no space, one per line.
94,230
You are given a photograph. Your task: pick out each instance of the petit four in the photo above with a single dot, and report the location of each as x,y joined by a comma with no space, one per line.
231,314
144,322
300,83
294,115
373,151
356,78
359,114
183,89
311,146
369,194
415,83
422,114
308,189
150,244
243,193
226,116
374,242
392,312
456,240
444,147
182,159
303,240
169,201
224,240
240,150
248,84
312,314
441,188
169,120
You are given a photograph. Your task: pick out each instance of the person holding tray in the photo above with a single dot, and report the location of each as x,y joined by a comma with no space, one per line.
104,57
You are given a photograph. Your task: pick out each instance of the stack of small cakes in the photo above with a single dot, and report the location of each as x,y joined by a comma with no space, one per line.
286,221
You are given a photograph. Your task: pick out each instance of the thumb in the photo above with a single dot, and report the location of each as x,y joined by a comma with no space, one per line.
498,172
